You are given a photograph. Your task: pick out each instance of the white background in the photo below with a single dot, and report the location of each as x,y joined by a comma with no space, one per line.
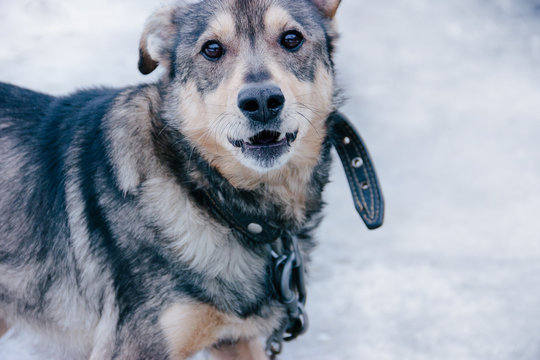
447,96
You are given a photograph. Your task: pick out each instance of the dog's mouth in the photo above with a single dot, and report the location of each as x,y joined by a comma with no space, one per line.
266,139
266,147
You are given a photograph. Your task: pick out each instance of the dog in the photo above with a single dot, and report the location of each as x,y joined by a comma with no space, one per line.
106,251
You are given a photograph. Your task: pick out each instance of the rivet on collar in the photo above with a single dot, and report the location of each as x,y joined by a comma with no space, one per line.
357,162
255,228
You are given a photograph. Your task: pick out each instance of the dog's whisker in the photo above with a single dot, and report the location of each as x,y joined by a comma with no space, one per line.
306,94
305,106
310,123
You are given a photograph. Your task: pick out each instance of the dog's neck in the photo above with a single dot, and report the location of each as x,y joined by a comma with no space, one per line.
287,185
289,196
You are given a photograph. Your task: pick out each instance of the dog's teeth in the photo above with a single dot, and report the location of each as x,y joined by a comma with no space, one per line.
282,136
291,137
237,143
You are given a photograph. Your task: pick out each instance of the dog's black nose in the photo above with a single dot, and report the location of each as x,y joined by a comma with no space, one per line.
261,102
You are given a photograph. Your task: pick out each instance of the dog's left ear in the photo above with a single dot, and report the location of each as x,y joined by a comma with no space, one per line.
157,40
327,7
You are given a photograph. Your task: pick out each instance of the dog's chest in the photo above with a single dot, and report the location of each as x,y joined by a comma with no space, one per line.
197,240
233,277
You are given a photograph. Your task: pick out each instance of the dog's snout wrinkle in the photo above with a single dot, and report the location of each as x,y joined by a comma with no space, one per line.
261,103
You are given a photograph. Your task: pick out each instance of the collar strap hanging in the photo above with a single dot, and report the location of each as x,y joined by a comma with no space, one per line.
363,182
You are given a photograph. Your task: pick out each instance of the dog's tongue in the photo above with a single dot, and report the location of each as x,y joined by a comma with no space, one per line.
265,138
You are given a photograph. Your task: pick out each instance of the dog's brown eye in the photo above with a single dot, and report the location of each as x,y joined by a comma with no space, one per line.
292,40
212,50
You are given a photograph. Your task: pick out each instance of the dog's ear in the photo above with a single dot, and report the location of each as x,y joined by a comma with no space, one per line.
157,40
327,7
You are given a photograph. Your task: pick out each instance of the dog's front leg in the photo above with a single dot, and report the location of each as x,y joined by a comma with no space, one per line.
241,350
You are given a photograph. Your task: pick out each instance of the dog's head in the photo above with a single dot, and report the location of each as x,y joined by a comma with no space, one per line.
248,82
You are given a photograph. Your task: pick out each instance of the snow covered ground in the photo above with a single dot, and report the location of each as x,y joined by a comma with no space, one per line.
447,96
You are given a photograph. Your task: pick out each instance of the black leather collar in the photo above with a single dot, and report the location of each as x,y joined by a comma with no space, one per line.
361,175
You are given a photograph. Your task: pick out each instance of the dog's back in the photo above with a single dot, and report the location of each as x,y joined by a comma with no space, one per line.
38,137
18,102
21,110
22,114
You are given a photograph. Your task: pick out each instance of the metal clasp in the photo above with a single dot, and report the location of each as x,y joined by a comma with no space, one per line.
290,287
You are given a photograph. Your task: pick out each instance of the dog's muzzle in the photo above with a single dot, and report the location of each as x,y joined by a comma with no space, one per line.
262,105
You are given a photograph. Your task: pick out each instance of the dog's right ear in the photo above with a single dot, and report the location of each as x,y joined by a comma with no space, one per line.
157,40
327,7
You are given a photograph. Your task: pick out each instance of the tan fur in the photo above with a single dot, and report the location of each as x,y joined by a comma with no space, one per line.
221,27
277,20
189,328
241,350
327,7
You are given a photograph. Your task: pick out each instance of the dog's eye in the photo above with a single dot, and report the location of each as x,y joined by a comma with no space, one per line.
292,40
212,50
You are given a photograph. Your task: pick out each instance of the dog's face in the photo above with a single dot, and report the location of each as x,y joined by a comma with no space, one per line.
248,82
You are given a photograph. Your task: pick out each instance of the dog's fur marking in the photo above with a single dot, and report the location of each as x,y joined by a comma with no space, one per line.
202,325
189,328
130,129
277,20
221,27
